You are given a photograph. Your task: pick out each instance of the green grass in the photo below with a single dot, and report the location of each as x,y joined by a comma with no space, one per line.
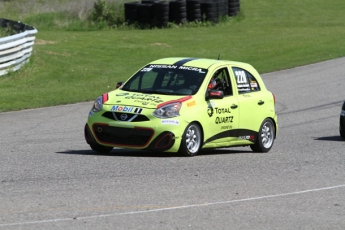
73,61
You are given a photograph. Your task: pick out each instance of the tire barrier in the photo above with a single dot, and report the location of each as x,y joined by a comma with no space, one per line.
153,13
161,14
178,11
193,11
16,49
233,7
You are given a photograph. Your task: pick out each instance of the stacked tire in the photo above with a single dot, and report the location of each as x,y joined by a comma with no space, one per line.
178,11
161,14
193,11
131,12
152,13
145,14
209,11
233,7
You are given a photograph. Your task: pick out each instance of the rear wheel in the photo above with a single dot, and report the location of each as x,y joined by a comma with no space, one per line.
100,148
265,138
191,140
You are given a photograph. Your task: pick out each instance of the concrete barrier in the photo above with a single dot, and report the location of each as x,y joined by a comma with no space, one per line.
16,49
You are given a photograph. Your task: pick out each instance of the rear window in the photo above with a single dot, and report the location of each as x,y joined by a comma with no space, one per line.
246,82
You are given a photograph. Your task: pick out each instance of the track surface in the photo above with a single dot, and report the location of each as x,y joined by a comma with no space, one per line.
50,179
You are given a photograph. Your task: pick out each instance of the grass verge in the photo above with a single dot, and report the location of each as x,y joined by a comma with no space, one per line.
72,63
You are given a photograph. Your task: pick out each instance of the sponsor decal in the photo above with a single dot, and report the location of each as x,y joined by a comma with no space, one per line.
170,122
191,69
221,120
210,111
253,84
190,104
247,137
121,94
215,93
91,113
163,66
226,127
126,109
222,110
150,67
145,99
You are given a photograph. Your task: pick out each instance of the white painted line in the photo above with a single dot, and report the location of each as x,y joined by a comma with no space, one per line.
173,208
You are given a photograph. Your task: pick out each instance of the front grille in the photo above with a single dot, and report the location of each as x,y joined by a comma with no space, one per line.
136,137
130,117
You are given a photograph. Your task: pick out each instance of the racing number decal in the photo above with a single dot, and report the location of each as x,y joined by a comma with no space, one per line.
146,69
241,77
242,82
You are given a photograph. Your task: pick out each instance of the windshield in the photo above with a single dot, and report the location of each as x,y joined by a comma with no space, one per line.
166,79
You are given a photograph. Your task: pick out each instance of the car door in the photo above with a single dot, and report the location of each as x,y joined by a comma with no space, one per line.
252,102
223,114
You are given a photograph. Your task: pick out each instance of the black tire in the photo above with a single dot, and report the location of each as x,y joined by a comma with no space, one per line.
100,148
145,14
131,12
193,10
342,128
209,10
191,140
342,122
342,134
265,139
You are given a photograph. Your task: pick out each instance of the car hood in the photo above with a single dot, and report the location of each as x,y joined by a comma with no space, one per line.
143,100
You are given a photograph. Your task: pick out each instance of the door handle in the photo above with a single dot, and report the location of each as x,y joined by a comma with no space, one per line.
261,102
234,106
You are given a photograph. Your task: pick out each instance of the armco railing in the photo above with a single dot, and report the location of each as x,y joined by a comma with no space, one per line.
16,49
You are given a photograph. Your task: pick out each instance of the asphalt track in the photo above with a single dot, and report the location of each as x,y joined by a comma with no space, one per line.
50,179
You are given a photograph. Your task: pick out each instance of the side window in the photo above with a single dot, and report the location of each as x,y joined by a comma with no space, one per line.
246,82
222,80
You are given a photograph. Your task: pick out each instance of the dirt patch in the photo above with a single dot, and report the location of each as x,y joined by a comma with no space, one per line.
160,44
43,42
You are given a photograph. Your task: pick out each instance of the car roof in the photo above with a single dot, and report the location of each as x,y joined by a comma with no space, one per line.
197,62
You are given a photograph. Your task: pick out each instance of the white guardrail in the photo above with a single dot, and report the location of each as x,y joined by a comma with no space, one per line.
15,50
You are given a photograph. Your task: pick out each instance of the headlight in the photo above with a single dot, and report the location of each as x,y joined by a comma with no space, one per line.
167,111
98,104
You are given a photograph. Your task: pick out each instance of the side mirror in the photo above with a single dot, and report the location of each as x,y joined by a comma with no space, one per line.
214,94
118,85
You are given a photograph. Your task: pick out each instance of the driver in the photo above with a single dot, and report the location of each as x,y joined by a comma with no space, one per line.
212,84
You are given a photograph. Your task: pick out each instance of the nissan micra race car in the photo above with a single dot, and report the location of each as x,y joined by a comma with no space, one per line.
185,105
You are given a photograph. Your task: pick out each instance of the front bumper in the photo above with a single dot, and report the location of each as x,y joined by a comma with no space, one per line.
134,138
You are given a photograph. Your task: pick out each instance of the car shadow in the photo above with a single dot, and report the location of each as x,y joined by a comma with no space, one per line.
142,153
329,138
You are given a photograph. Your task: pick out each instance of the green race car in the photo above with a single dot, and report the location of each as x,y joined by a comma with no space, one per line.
185,105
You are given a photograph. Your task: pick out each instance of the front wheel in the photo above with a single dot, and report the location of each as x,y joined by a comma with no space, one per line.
100,148
342,133
265,138
191,140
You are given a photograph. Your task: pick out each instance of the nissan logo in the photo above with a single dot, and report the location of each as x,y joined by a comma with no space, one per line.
123,116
